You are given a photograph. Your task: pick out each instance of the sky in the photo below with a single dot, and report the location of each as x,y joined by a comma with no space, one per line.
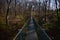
52,4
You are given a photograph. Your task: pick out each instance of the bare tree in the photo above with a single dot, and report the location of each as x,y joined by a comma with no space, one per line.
8,5
49,6
45,7
15,7
39,8
59,4
57,9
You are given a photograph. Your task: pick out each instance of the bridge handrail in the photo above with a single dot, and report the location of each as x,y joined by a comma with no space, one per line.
42,30
21,30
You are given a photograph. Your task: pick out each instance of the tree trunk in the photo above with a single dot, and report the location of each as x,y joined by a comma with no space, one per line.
57,10
15,7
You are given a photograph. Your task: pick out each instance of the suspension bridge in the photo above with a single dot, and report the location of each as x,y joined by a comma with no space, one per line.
31,31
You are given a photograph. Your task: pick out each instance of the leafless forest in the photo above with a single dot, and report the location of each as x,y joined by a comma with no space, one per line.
15,13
